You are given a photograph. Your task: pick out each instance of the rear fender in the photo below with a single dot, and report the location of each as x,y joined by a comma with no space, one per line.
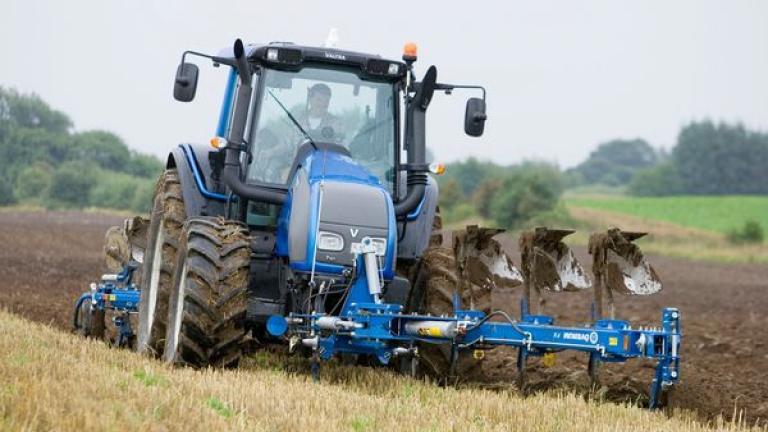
191,162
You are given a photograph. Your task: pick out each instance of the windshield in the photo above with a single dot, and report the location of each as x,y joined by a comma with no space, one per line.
322,105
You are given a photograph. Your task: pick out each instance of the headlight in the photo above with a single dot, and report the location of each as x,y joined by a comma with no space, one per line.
330,241
379,244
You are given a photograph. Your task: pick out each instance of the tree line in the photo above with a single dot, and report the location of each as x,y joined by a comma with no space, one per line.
707,159
510,196
43,162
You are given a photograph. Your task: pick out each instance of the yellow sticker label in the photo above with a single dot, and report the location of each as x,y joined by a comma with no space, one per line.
430,331
548,360
112,297
478,354
613,341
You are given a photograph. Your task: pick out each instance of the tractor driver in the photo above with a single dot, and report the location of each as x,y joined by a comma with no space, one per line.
317,120
274,160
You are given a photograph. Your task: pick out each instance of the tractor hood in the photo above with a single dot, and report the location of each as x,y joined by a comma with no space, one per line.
333,203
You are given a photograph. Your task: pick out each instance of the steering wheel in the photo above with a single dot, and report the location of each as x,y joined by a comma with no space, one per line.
363,140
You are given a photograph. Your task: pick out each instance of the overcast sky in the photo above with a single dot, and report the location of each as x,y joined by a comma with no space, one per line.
562,76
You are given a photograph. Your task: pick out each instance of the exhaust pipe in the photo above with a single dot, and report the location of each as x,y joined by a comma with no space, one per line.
416,143
231,173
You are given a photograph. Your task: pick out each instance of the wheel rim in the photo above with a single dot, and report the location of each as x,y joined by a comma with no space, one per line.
173,337
154,282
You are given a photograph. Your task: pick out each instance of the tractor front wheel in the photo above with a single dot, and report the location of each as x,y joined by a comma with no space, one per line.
167,219
206,321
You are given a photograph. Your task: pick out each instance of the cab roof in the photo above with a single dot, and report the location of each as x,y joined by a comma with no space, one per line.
286,55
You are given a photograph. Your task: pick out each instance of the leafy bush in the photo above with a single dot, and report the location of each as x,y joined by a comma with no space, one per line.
33,182
750,232
460,212
484,194
142,197
558,217
142,165
661,180
527,191
450,194
469,174
6,192
117,191
71,185
104,148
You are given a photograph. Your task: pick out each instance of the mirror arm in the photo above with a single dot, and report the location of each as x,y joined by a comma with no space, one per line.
215,59
448,88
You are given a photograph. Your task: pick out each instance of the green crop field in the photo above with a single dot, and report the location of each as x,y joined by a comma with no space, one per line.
713,213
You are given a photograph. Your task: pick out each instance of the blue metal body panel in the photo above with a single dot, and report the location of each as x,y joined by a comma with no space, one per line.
222,128
327,166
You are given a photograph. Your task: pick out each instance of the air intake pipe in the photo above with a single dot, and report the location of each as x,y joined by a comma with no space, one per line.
230,174
416,136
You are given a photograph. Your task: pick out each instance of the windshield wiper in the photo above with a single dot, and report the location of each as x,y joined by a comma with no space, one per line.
293,119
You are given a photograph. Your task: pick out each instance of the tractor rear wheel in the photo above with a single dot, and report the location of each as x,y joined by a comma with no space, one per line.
208,301
435,278
167,219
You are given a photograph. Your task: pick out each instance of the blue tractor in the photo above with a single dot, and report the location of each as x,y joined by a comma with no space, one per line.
313,221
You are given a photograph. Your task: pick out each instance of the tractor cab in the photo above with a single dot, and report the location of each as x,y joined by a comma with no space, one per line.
331,106
285,104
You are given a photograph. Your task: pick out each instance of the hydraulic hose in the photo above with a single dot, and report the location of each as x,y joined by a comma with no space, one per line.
504,315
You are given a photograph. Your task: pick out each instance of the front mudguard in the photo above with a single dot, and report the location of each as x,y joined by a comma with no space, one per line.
191,162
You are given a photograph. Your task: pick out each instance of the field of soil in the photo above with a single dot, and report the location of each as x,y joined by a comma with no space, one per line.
48,258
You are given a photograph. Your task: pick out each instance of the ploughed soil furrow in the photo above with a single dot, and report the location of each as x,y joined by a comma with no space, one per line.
48,258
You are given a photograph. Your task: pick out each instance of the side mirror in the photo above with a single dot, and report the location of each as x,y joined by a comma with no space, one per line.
185,85
475,117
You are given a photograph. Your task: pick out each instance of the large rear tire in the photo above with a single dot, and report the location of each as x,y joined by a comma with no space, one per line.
208,301
435,278
167,219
